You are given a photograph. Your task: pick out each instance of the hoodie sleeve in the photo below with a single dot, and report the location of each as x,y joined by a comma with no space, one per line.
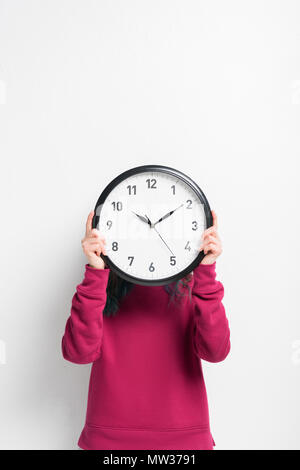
82,339
211,334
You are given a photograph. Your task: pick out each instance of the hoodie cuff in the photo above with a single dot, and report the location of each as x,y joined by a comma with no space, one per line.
205,277
95,280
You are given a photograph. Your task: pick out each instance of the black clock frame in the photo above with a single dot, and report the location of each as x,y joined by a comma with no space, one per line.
143,169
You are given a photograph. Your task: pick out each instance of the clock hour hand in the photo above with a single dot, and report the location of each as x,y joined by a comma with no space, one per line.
142,218
167,215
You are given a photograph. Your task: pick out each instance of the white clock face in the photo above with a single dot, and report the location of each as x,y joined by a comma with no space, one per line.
138,242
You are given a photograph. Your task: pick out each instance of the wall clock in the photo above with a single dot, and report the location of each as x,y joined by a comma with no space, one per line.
152,218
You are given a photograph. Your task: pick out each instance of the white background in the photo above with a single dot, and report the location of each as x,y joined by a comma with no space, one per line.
89,89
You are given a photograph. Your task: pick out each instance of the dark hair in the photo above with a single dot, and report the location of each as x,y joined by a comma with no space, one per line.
117,288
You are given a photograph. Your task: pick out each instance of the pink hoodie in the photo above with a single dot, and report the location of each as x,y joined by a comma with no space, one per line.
146,387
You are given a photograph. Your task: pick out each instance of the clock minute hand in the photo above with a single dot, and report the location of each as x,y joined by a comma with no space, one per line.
167,215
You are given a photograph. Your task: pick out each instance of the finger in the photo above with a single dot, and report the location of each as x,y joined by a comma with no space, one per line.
88,225
90,246
214,248
215,219
96,238
210,246
96,252
95,233
207,248
94,242
100,250
209,231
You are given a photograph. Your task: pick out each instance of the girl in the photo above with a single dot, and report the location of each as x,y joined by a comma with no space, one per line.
146,344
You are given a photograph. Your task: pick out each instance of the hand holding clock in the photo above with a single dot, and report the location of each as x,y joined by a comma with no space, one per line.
211,243
93,244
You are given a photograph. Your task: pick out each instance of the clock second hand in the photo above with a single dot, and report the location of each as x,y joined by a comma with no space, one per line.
152,226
